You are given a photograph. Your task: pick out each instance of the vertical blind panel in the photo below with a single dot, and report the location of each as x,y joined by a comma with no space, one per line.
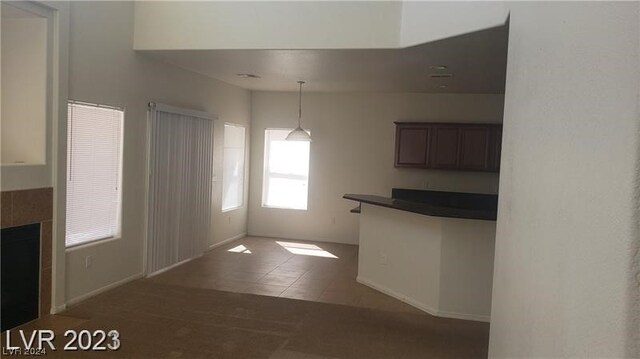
180,188
233,167
94,163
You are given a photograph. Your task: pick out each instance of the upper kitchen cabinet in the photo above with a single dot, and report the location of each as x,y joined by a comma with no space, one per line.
412,146
497,150
475,148
450,146
446,147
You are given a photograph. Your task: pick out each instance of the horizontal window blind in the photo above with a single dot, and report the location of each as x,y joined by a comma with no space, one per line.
94,167
233,167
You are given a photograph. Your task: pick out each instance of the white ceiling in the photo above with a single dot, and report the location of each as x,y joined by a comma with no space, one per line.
477,61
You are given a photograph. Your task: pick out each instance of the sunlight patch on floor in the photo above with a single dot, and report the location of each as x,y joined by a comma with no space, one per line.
306,249
240,249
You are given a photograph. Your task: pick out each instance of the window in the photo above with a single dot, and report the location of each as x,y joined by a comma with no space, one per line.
233,167
286,171
94,167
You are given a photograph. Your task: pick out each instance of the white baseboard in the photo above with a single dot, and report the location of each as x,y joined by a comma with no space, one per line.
465,316
58,309
85,296
171,266
225,241
414,303
284,236
396,295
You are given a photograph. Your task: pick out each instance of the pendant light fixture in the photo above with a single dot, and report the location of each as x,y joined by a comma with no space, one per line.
299,134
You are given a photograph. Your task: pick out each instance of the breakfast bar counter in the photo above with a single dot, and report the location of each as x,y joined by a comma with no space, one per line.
433,250
424,208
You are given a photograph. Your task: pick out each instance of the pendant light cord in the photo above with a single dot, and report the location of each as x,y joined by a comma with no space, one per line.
300,102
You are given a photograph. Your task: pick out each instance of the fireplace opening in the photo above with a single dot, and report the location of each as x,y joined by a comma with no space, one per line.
20,274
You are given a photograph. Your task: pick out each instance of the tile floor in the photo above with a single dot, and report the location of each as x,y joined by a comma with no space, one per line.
156,320
314,271
207,308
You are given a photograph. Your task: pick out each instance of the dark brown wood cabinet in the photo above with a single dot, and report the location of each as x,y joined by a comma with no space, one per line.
497,149
448,146
475,148
412,146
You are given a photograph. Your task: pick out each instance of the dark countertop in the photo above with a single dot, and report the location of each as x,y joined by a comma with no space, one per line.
436,203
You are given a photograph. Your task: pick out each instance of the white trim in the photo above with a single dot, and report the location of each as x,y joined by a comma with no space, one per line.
91,243
58,309
289,237
233,208
235,124
59,94
422,306
225,241
244,167
107,287
397,295
291,208
172,266
147,176
154,106
465,316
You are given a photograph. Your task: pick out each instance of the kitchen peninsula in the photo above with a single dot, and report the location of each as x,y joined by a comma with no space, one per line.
431,249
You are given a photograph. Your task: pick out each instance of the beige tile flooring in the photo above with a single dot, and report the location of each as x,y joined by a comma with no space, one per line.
158,320
313,271
180,314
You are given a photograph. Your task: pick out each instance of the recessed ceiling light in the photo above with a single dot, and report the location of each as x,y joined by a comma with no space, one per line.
248,76
442,86
438,67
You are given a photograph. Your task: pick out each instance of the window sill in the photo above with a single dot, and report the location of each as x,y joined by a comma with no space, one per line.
91,243
232,209
290,208
23,164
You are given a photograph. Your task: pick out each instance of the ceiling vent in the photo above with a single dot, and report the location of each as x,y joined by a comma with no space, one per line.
440,76
248,76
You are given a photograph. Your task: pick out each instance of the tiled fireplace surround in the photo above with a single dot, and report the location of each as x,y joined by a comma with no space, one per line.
31,206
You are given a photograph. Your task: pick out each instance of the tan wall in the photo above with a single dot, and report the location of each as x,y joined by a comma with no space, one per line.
352,152
24,90
103,68
174,25
567,273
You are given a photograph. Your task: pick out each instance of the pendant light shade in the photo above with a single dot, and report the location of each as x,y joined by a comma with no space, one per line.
299,134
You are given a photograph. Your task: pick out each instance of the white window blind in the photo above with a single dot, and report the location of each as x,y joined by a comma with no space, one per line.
94,167
233,167
286,171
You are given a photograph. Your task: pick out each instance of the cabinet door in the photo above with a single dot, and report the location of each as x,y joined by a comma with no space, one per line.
475,148
412,146
444,152
497,149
